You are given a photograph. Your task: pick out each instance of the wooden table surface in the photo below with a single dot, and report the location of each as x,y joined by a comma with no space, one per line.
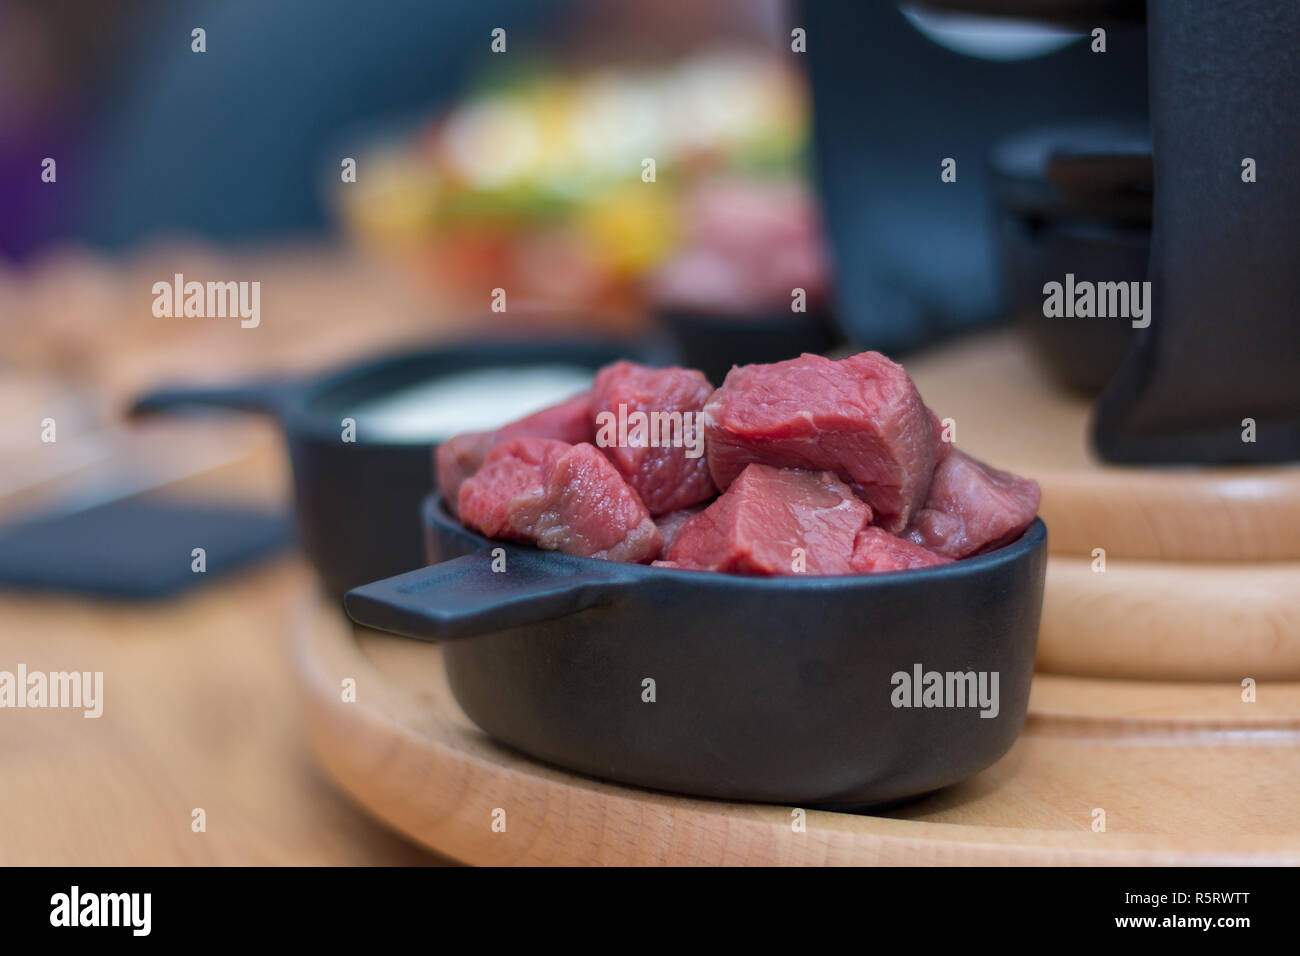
200,709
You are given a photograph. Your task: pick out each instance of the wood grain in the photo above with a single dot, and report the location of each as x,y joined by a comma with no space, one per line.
1223,795
1009,414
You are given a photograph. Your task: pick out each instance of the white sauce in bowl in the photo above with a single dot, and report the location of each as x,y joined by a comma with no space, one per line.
468,401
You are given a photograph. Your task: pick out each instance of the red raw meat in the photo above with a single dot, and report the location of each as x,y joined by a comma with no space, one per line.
877,550
461,456
764,516
665,477
561,498
512,471
942,448
973,508
457,459
671,524
860,417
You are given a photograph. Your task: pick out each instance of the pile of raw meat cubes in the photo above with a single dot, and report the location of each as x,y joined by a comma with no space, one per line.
809,466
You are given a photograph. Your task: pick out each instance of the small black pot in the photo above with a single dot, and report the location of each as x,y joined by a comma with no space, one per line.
358,502
714,343
1073,198
766,689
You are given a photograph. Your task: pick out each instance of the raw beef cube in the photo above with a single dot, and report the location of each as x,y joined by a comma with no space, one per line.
973,508
671,524
461,456
512,472
588,509
942,448
457,459
569,421
648,423
860,417
774,521
561,498
877,550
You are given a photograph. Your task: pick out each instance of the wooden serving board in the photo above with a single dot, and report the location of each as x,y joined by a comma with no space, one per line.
1010,414
1185,773
1172,620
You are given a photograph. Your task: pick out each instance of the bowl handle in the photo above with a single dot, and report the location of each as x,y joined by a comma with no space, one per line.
267,395
484,592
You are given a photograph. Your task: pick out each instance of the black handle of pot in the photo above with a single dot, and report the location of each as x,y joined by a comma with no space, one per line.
266,396
483,592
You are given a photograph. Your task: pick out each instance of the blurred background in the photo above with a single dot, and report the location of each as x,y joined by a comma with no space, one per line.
522,169
383,169
468,162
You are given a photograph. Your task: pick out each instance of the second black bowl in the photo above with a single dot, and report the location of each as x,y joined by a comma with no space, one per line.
357,501
714,343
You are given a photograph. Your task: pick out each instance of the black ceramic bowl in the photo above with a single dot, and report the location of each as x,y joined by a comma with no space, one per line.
358,503
1073,198
714,343
765,689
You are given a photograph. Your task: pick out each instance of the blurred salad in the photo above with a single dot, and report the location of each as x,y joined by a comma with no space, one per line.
535,185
